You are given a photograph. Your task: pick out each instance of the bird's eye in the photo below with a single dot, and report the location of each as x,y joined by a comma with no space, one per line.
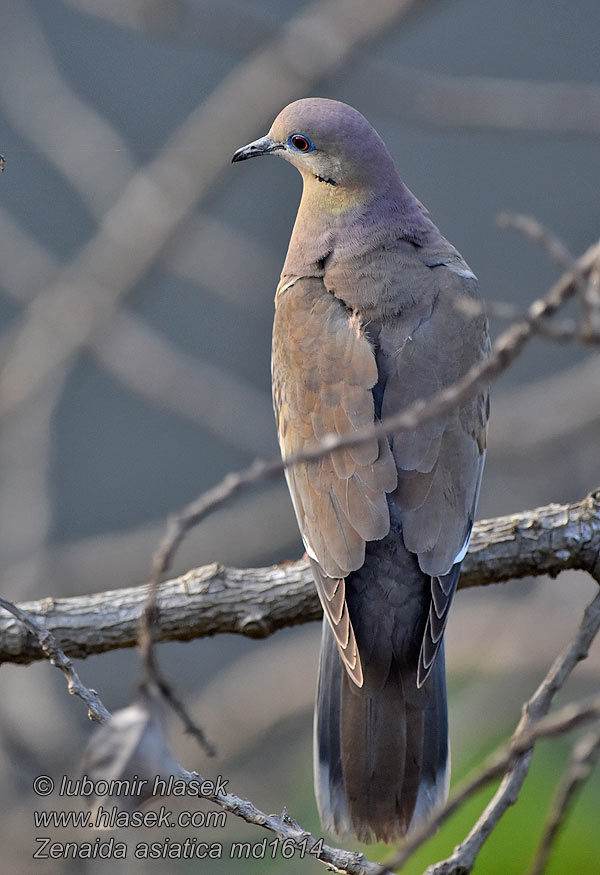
300,143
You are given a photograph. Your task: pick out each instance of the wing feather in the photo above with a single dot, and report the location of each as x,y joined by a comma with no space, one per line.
324,370
332,374
440,462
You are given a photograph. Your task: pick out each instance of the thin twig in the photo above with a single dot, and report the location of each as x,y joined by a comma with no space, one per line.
582,761
591,306
153,674
288,830
463,858
49,644
353,863
589,301
565,331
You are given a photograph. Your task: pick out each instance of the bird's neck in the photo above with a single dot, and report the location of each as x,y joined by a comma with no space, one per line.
325,211
331,215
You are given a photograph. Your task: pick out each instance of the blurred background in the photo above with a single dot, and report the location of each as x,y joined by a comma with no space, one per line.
137,274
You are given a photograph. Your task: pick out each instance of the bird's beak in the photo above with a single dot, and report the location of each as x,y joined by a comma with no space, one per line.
258,147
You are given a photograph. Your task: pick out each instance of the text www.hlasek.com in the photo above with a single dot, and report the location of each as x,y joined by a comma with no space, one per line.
115,818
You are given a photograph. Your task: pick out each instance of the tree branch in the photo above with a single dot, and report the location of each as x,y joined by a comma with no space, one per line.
336,859
51,651
532,726
258,601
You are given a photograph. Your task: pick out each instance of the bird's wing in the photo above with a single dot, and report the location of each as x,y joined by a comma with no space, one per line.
440,463
324,370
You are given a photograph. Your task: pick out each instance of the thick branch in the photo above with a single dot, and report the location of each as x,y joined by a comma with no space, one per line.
258,601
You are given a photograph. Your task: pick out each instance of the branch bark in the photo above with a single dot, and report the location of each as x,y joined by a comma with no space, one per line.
258,601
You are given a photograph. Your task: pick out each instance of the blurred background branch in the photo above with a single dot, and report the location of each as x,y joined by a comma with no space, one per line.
158,198
482,101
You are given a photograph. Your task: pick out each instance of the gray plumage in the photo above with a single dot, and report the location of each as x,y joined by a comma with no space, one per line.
369,319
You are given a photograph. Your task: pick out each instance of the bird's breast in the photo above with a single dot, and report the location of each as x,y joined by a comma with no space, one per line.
380,281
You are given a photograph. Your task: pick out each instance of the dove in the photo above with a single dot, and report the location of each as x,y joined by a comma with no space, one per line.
375,310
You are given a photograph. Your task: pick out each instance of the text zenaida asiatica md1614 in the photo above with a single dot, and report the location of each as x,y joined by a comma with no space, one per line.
369,318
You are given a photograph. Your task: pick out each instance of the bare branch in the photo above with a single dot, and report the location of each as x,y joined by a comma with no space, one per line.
546,540
582,761
51,650
339,860
565,331
256,602
591,306
588,292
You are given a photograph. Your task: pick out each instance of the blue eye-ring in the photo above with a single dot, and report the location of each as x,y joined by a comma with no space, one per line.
300,143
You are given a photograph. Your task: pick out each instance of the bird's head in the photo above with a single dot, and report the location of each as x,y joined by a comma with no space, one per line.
332,145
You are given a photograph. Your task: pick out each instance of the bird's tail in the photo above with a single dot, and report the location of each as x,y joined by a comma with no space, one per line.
381,759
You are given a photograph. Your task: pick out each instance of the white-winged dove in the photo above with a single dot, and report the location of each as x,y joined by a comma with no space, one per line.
370,317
